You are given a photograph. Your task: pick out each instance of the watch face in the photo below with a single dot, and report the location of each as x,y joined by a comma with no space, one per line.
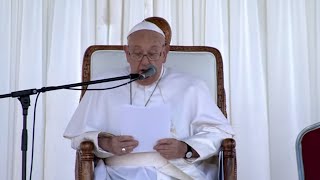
189,154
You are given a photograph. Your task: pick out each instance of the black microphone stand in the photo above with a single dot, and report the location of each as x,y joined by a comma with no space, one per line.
24,98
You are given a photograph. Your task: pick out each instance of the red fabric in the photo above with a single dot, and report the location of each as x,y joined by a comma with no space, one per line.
311,154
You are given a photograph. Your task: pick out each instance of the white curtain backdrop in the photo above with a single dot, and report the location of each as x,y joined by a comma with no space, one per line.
271,52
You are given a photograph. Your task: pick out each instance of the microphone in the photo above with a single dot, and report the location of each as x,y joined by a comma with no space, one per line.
148,72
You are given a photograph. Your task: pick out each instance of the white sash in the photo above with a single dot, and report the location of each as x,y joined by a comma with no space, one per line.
152,159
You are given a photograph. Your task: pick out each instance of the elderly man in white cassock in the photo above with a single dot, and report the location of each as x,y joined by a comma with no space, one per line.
196,125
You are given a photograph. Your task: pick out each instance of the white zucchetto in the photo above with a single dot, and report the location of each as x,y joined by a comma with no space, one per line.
145,25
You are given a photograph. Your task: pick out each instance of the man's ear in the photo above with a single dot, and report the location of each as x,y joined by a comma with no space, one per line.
126,50
165,53
167,47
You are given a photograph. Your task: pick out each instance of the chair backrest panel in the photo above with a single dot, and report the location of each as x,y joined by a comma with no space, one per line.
199,64
308,152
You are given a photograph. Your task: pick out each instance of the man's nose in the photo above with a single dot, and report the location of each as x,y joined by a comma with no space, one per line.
145,59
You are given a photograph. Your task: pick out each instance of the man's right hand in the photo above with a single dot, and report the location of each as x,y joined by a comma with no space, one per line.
117,145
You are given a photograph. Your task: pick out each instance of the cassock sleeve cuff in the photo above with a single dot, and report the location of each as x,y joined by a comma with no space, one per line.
206,145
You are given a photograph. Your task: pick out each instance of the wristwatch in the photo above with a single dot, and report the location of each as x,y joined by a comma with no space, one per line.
188,154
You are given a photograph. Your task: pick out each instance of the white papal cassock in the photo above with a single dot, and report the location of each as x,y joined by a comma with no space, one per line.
195,119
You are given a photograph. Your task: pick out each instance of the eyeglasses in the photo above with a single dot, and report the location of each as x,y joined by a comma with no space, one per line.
152,56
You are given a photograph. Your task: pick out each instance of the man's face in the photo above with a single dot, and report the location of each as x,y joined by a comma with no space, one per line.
144,48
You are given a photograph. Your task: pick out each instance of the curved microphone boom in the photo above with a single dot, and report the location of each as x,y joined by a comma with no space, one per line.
150,71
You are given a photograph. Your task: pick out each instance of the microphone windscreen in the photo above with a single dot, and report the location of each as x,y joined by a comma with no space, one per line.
150,71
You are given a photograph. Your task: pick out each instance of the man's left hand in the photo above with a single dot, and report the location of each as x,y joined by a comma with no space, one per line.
171,148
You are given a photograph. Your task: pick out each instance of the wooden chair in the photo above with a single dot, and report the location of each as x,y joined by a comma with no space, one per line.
308,152
195,60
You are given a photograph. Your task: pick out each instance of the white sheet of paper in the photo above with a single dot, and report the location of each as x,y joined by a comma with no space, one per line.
145,124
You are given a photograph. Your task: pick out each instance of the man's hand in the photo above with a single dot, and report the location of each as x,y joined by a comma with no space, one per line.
118,145
171,148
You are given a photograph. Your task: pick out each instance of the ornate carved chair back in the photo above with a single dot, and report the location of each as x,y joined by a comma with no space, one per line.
203,62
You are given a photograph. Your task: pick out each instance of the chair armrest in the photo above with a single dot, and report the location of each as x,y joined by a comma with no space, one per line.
84,161
228,146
